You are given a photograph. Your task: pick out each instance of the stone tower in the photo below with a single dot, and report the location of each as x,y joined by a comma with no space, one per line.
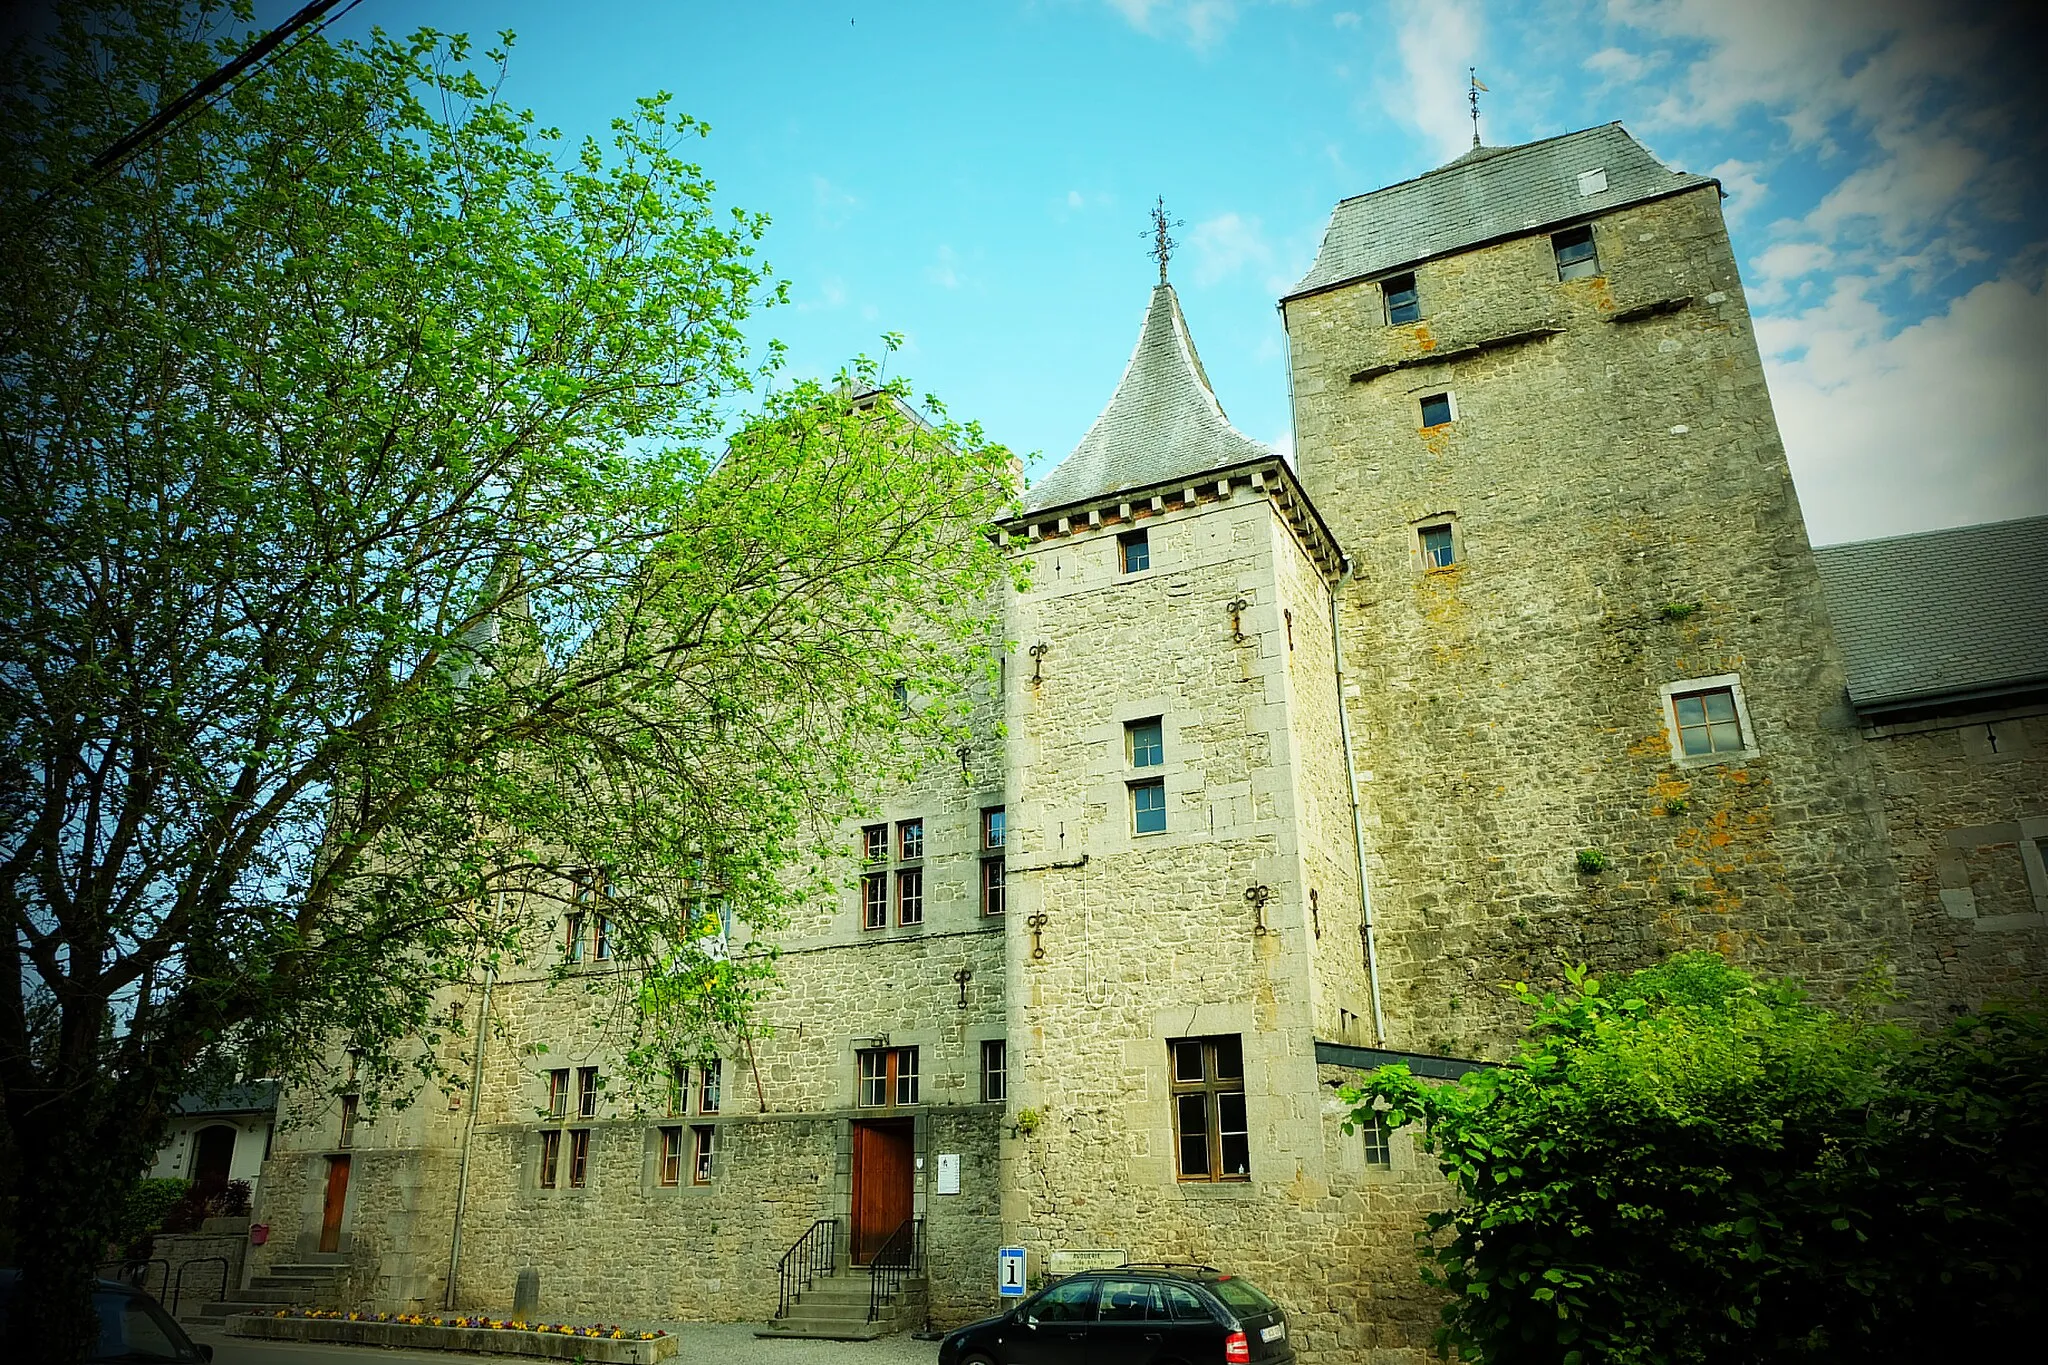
1599,708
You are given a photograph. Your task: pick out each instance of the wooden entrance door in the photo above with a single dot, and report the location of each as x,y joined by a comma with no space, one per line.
337,1199
213,1156
882,1199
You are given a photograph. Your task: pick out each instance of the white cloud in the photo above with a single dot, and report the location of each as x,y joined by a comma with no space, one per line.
1436,44
834,204
1742,185
1201,22
831,295
1614,64
1226,244
944,272
1075,200
1937,424
1345,18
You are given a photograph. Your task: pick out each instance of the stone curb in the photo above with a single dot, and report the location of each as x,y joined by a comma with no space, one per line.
479,1340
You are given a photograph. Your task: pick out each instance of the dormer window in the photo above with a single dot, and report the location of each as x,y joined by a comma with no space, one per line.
1403,303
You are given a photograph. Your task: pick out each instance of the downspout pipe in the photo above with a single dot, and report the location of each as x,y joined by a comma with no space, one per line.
1365,927
476,1080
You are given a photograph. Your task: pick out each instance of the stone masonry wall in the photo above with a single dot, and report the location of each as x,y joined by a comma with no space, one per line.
1153,939
1966,799
1625,521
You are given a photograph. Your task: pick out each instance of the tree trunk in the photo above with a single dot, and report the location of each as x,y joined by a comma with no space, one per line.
78,1156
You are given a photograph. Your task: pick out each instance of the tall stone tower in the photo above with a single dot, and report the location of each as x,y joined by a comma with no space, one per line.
1599,708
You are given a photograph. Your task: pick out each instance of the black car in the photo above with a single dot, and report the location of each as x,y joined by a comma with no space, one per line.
1132,1315
133,1326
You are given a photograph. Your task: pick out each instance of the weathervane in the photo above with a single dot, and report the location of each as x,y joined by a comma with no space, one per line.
1162,239
1472,94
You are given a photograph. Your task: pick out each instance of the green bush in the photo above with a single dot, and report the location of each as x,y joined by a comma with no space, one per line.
1697,1166
148,1204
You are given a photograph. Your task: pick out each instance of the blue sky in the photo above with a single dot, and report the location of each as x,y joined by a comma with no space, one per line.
976,176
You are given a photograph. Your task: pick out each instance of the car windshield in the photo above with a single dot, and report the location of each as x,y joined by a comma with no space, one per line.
1242,1296
134,1329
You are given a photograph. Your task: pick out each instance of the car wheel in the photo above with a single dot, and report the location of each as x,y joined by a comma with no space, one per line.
976,1359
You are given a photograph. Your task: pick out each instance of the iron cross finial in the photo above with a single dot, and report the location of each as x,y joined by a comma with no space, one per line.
1162,237
1472,94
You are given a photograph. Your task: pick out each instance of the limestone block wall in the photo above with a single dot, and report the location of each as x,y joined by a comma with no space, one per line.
1966,800
1624,521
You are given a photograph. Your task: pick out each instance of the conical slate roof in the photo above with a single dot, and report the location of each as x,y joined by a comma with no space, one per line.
1163,422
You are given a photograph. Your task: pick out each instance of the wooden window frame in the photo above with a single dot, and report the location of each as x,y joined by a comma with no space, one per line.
579,1158
586,1092
910,840
708,1087
909,902
601,937
670,1170
1379,1142
885,1068
1151,755
558,1093
1404,283
350,1107
1450,545
572,937
995,886
703,1153
995,828
874,900
1134,545
678,1090
1582,234
1213,1088
550,1156
874,844
995,1070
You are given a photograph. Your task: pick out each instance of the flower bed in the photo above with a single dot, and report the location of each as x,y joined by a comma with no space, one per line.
456,1332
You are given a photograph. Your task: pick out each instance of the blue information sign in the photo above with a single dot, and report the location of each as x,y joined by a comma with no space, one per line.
1010,1272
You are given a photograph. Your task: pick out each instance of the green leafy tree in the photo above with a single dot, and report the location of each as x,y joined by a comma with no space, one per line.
378,579
1694,1165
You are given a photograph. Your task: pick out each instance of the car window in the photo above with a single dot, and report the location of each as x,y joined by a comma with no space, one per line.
1071,1301
1186,1305
1129,1301
1242,1296
133,1328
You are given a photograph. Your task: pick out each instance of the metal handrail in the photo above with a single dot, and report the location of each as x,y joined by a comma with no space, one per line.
901,1257
178,1286
813,1254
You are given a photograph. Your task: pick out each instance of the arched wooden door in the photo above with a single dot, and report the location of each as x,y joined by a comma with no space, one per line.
213,1156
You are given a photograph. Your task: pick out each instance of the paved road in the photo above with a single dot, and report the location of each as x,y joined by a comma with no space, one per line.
702,1344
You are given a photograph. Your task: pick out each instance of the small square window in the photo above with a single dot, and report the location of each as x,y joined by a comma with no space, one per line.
705,1141
994,887
888,1076
994,828
910,840
1147,741
1148,807
1436,409
910,896
707,1090
874,844
1403,303
874,901
1438,547
671,1156
1134,551
995,1071
1575,256
1707,722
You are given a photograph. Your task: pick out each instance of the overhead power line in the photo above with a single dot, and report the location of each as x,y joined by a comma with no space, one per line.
165,117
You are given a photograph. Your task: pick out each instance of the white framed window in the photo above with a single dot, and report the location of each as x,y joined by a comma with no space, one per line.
1707,720
1438,409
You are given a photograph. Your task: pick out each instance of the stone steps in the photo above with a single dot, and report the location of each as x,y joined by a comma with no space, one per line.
836,1309
303,1284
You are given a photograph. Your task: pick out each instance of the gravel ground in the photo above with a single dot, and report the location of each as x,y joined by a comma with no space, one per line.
702,1344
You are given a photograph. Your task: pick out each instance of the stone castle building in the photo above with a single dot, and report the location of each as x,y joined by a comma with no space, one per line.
1524,658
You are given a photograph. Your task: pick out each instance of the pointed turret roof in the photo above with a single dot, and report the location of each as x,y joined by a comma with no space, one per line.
1162,423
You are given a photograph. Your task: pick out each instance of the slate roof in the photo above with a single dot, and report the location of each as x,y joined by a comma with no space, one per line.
1941,614
247,1097
1163,422
1487,194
